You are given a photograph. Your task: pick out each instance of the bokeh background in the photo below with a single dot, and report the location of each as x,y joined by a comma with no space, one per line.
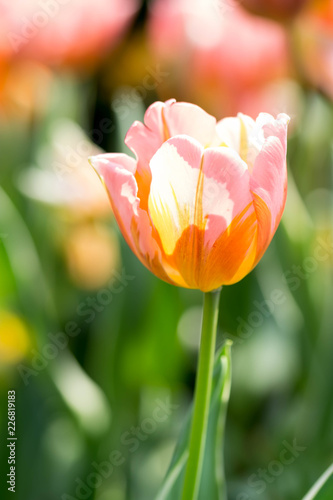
93,344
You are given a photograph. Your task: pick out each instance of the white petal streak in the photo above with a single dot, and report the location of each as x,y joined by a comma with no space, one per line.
172,192
191,185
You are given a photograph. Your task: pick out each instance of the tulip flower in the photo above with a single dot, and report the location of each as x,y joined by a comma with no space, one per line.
198,205
202,200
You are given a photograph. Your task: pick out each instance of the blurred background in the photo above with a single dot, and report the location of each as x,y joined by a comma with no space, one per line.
101,354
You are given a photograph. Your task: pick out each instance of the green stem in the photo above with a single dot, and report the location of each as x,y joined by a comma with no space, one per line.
202,396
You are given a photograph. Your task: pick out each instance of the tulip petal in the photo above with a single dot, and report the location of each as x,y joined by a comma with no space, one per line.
117,174
201,206
262,145
228,132
225,245
269,179
175,171
191,185
144,139
264,222
242,134
165,120
226,190
162,121
269,176
232,251
189,119
275,127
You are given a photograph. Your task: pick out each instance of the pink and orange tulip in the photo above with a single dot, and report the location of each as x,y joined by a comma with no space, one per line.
201,201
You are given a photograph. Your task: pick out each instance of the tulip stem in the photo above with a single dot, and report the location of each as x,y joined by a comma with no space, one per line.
202,396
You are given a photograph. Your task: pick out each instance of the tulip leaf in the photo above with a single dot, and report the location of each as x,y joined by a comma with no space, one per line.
323,488
212,483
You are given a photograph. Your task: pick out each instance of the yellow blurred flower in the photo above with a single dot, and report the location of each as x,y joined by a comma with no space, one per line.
14,338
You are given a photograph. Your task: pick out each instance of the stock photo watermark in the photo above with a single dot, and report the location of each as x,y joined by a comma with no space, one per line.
293,277
30,27
225,7
11,438
259,480
131,96
123,104
322,251
130,442
88,309
74,155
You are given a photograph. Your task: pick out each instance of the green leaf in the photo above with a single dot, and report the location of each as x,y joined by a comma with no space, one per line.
24,259
212,484
323,488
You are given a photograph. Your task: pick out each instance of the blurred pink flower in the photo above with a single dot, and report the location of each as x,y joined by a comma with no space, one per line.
62,32
221,57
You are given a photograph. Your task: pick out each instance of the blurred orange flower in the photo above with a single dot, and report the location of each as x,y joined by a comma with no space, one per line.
314,44
24,89
92,254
